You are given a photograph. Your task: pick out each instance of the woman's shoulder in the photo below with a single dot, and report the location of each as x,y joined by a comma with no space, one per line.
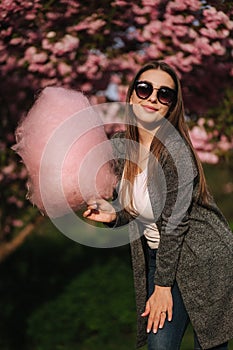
178,154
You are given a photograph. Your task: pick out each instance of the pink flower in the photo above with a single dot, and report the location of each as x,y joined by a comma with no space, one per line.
207,157
152,3
218,49
30,16
140,11
140,20
203,46
63,68
39,57
67,44
16,41
30,51
94,26
152,51
17,223
119,3
224,144
8,169
209,32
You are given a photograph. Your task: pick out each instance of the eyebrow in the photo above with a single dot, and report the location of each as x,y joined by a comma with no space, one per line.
157,88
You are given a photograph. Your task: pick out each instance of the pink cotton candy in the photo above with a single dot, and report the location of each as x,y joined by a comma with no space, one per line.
64,147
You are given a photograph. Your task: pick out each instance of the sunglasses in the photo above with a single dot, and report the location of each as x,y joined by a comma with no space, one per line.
165,95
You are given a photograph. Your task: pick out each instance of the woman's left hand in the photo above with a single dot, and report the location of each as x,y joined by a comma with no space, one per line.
158,307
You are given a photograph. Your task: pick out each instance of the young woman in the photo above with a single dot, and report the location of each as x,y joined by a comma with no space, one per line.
182,246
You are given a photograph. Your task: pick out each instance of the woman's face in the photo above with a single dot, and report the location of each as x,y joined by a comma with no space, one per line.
149,111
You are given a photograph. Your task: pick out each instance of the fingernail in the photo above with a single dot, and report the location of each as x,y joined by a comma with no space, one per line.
154,331
148,330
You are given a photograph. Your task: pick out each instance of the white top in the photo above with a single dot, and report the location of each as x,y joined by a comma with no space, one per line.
142,206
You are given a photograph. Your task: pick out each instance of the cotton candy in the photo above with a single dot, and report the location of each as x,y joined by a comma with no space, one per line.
65,149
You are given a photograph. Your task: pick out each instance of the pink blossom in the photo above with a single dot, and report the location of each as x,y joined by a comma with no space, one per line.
140,20
151,29
30,16
6,32
181,30
152,3
203,45
39,57
11,62
92,24
53,15
48,82
68,43
51,35
17,223
63,68
229,24
86,87
152,51
95,26
30,51
119,3
209,32
3,58
176,6
140,11
224,144
218,49
8,169
181,5
16,41
207,157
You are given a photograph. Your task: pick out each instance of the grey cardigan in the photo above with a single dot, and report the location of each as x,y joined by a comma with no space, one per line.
196,244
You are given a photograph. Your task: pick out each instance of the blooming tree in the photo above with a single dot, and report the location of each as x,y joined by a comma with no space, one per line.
85,45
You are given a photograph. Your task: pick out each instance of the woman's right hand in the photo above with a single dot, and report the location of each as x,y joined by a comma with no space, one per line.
100,210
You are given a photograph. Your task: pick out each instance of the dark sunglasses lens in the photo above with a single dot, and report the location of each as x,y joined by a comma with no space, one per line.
143,90
166,95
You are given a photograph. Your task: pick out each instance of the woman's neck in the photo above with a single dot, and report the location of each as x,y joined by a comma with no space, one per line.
146,136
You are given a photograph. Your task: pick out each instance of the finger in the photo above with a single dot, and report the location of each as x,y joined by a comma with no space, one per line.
147,310
169,313
153,322
163,316
93,205
86,213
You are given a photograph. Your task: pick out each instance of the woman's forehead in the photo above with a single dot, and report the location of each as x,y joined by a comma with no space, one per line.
158,78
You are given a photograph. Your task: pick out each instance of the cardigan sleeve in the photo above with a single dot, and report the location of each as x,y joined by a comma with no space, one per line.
180,173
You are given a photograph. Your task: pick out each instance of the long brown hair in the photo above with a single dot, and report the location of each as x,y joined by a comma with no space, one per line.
176,117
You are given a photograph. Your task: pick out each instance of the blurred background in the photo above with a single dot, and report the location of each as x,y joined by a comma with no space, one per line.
56,294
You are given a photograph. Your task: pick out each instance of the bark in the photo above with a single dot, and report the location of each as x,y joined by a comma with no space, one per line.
7,248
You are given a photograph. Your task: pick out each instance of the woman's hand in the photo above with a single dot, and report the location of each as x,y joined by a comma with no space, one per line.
158,306
100,210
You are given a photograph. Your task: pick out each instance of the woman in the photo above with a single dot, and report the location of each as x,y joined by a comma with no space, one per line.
182,246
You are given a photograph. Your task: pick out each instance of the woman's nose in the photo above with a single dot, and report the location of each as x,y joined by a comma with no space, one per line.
153,96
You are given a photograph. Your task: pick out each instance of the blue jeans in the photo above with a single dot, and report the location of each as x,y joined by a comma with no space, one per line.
170,336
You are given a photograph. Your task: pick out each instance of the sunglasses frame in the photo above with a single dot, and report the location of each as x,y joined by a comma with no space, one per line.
151,88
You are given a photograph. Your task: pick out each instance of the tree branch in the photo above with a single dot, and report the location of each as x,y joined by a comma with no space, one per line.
7,248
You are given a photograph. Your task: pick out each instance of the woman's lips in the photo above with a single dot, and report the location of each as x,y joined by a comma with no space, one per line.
150,108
